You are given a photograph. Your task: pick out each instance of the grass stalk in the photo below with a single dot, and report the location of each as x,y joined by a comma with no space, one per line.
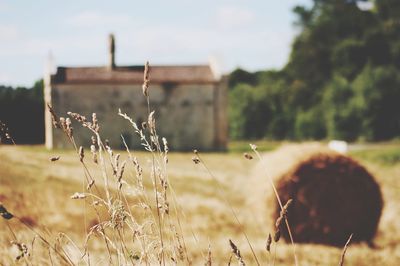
254,148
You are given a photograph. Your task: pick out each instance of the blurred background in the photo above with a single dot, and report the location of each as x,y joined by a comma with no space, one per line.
298,70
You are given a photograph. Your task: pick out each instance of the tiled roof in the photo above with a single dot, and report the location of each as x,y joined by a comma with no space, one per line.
133,75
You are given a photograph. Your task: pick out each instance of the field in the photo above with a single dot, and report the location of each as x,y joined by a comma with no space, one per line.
39,192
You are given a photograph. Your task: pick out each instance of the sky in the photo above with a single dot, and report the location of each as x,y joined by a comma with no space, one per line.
251,34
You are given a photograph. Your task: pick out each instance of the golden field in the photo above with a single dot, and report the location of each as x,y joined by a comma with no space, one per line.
39,192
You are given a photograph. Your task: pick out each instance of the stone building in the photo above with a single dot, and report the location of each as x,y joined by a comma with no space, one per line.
190,103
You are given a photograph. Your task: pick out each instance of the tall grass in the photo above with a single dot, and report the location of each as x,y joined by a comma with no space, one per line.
131,211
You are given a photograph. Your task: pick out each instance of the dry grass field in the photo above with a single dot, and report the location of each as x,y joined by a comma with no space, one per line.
39,191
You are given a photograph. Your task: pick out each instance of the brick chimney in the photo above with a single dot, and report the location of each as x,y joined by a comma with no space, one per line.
111,52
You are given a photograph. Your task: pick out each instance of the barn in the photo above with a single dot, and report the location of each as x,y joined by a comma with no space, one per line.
190,103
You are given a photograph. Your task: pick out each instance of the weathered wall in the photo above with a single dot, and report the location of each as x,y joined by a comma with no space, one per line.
221,114
189,116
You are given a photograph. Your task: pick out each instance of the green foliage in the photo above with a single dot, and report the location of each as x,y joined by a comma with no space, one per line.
310,124
388,9
22,110
260,111
241,76
377,94
249,112
349,57
342,80
343,118
386,154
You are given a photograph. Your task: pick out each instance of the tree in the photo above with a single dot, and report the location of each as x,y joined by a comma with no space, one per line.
241,76
341,80
22,110
377,92
343,117
250,112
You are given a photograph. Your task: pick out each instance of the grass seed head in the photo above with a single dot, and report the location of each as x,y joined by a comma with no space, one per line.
196,160
54,117
94,153
277,235
247,156
4,213
253,147
54,159
146,79
78,195
91,183
236,252
80,118
23,249
209,257
269,242
81,154
151,122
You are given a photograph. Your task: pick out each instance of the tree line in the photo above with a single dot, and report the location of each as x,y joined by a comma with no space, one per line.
22,111
342,79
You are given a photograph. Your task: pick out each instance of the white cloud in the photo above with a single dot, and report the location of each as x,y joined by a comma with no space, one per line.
94,18
169,45
232,17
8,33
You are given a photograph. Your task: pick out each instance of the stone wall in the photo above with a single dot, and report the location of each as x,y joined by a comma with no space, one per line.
188,115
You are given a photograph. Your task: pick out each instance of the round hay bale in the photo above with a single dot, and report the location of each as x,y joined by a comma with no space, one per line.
333,197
